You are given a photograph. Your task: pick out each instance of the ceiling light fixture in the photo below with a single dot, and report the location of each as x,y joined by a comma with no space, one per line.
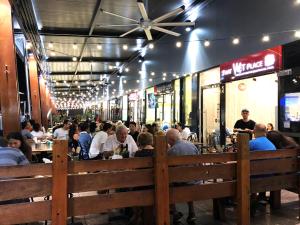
124,81
266,38
50,45
150,79
74,59
112,82
152,73
188,29
138,81
206,43
75,46
297,33
236,41
126,69
52,54
141,59
125,47
99,47
178,44
151,45
164,78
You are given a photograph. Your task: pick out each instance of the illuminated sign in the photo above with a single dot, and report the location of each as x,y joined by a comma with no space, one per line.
264,62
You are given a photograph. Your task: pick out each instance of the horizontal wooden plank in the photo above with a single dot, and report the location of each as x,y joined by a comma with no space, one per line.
118,164
282,153
273,183
202,191
25,188
204,158
25,212
26,171
202,172
101,203
110,180
272,166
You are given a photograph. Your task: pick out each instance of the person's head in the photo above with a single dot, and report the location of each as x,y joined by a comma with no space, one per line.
155,127
245,114
132,127
93,127
26,125
73,130
36,127
179,126
270,127
280,140
145,139
121,133
260,130
83,126
66,124
107,127
148,128
15,140
3,142
173,135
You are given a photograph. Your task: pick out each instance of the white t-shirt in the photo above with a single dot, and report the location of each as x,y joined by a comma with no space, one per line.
61,134
97,144
112,143
38,134
185,133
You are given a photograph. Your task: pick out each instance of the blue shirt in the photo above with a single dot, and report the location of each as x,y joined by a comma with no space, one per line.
12,157
183,148
84,141
261,143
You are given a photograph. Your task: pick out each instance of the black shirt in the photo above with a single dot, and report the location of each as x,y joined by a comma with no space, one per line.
134,135
144,153
241,124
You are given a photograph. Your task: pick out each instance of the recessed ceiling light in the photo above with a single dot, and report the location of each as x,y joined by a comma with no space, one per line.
75,46
164,74
74,59
138,81
266,38
99,47
126,69
151,45
178,44
164,78
110,67
150,79
235,41
124,81
174,74
76,82
188,29
125,47
50,45
52,54
152,73
297,34
206,43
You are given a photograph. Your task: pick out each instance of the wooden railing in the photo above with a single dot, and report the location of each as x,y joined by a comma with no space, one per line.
148,182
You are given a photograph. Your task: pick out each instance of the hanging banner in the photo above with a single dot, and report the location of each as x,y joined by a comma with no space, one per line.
267,61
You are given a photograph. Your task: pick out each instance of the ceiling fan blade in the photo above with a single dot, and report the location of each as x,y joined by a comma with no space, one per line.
175,24
169,14
166,31
118,25
128,32
113,14
148,34
142,9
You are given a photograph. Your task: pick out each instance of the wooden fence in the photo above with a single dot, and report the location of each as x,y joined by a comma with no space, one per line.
149,182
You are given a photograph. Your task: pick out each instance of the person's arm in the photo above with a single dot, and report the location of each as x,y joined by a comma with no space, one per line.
108,148
95,147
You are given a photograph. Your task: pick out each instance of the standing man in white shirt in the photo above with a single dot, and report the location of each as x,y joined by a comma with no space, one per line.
119,140
63,132
99,140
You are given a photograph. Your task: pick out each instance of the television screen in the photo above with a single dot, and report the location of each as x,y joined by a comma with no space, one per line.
292,106
151,101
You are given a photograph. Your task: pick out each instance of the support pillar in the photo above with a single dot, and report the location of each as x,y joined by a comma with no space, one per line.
9,94
34,90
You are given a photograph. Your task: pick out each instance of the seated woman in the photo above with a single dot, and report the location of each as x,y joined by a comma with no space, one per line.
145,144
281,141
16,140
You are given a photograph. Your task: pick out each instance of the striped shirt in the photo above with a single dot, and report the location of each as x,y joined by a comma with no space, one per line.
12,157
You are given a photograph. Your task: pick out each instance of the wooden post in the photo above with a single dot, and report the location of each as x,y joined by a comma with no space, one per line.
243,180
161,173
9,93
59,184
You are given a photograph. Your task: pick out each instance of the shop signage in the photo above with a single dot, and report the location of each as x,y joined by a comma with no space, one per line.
267,61
133,97
162,88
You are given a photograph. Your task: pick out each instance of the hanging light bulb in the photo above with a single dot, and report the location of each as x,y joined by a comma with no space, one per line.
99,46
50,45
75,46
151,45
236,41
266,38
206,43
178,44
125,47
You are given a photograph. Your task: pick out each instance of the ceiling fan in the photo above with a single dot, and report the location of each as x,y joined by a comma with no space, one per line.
147,24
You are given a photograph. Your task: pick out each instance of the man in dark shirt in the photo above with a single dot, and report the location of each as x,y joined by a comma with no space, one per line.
244,125
132,131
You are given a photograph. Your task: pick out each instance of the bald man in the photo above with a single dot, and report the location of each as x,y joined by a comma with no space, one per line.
178,148
261,142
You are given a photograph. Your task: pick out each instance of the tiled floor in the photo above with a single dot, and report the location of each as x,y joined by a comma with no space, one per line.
287,215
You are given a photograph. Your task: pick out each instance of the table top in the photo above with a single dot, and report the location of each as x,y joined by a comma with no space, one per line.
42,147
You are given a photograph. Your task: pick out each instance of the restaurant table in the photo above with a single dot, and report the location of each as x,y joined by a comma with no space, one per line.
42,147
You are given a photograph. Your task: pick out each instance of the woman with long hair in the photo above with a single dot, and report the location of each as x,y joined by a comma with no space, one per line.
16,140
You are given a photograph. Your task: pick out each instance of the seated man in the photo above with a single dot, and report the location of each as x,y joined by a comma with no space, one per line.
120,144
26,130
178,148
261,142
